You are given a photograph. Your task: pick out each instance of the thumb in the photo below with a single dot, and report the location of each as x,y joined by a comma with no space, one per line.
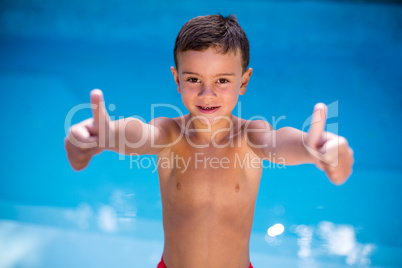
99,112
317,127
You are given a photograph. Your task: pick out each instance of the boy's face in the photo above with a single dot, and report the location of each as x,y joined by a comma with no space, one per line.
210,82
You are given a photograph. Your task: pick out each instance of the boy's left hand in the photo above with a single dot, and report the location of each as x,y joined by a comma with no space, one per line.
330,153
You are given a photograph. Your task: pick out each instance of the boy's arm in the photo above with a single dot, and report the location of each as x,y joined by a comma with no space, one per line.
124,136
329,152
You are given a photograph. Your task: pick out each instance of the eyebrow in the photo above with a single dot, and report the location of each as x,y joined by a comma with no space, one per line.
220,74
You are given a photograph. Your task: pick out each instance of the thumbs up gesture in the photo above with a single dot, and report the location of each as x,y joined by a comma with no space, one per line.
90,136
331,153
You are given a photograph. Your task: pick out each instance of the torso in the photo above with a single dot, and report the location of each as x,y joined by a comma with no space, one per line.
208,198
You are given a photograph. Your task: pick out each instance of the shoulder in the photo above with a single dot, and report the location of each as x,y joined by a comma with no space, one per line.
161,122
167,126
166,130
248,127
254,126
256,133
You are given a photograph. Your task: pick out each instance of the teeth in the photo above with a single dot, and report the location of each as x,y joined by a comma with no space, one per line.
208,108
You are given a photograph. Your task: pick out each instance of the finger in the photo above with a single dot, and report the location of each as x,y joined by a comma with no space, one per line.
80,160
79,135
336,176
317,126
339,174
320,165
345,166
98,107
330,152
333,175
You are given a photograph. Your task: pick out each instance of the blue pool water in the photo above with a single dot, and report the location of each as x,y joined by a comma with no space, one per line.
109,215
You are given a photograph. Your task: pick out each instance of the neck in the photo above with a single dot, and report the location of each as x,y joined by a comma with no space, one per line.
203,131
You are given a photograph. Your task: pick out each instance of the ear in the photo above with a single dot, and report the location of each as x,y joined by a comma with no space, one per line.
176,78
244,80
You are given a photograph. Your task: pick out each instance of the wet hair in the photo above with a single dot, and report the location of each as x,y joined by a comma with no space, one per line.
222,33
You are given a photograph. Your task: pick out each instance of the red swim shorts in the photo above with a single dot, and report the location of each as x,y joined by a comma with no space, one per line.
162,264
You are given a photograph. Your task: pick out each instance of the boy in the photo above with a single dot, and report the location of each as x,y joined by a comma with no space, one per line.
210,161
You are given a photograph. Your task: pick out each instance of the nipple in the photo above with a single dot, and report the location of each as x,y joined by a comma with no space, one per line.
237,188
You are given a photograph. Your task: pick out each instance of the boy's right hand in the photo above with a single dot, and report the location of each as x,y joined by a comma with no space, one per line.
90,136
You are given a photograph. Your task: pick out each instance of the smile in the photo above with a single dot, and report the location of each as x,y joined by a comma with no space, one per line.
208,109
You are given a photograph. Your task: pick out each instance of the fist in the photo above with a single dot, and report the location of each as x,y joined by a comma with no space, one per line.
331,153
88,138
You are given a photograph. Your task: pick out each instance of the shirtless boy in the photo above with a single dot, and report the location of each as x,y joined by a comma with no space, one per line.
208,206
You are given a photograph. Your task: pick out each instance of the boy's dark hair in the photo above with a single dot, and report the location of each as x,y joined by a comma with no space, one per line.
217,31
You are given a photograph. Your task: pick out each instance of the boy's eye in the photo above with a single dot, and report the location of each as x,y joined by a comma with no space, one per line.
222,81
193,80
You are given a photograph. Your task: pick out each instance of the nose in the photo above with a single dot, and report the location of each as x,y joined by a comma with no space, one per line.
207,91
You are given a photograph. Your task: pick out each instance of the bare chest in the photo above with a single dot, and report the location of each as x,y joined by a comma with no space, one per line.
215,176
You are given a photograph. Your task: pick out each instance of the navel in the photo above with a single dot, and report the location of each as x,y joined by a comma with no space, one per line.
237,188
178,186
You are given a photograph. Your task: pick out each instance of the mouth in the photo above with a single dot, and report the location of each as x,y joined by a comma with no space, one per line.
208,109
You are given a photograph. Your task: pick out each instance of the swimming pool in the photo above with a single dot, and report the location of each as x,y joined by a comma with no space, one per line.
345,53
